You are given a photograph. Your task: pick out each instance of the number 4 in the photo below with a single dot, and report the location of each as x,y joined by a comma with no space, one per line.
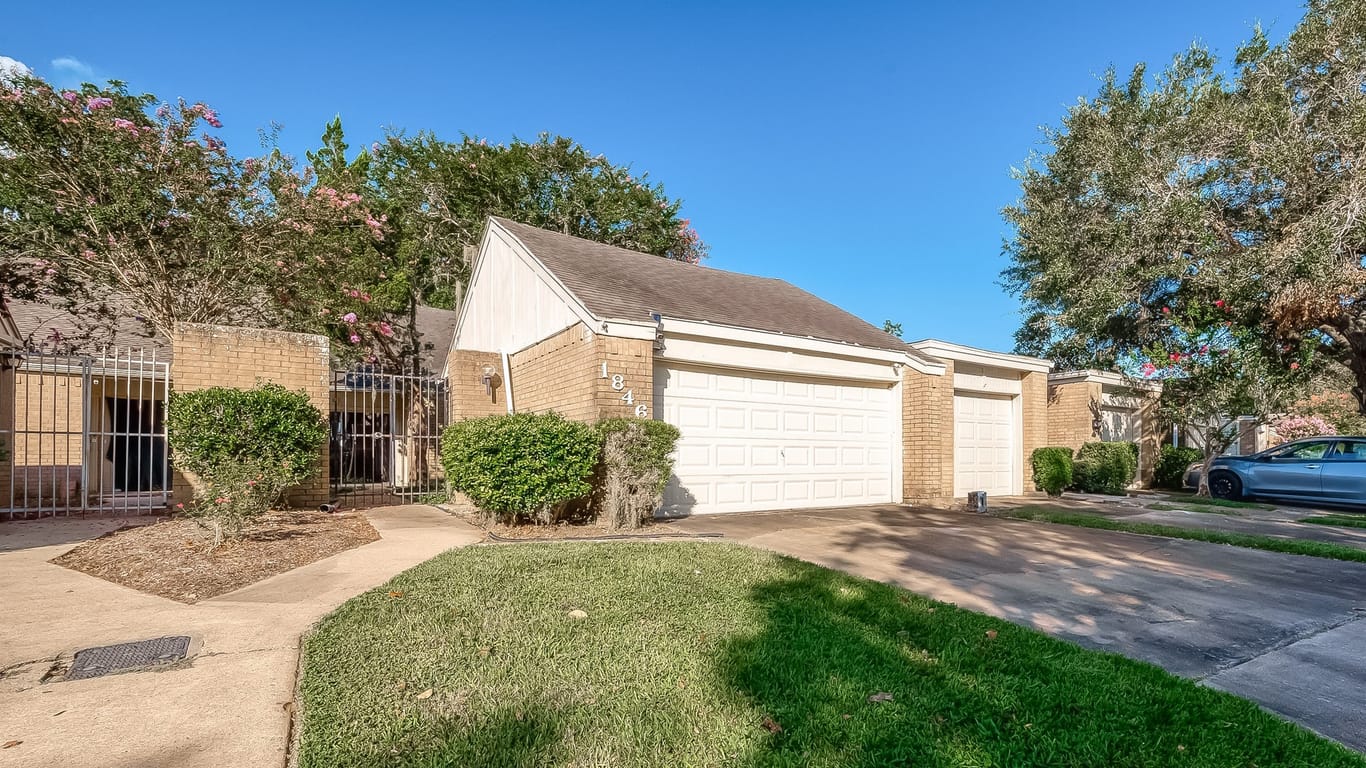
629,397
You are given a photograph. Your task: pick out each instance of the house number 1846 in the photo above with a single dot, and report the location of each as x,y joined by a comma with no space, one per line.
628,396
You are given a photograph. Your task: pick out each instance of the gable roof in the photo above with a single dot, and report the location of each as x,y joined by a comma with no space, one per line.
9,332
619,284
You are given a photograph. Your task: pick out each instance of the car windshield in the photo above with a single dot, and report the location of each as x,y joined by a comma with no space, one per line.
1314,450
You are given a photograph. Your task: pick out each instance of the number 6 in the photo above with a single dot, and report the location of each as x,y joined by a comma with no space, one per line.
642,410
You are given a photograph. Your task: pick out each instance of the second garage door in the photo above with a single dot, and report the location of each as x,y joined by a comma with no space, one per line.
756,442
983,441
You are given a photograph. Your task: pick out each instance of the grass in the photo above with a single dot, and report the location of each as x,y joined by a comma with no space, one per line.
1250,541
1346,521
711,654
1206,501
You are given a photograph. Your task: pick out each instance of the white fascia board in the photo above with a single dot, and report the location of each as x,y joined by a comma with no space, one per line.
1105,378
986,357
733,356
733,334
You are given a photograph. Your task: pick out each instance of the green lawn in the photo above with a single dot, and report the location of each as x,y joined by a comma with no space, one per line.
1250,541
713,654
1346,521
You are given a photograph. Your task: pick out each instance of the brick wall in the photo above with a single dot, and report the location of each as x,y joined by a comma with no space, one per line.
1069,413
564,374
927,436
469,399
221,356
1035,427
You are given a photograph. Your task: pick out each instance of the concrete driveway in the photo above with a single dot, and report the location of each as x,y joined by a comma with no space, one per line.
1281,630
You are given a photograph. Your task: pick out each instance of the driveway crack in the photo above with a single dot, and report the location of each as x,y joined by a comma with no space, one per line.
1282,645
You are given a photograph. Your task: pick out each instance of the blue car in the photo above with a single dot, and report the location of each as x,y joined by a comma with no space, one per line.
1326,470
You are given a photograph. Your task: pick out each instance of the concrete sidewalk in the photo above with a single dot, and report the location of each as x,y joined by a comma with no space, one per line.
229,705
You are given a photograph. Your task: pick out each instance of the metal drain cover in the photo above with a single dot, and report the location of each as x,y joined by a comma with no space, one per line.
108,659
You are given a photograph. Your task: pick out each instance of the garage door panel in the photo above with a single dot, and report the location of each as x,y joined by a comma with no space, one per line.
758,442
984,439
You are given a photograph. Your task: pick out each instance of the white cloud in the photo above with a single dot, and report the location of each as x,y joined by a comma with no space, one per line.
71,67
12,68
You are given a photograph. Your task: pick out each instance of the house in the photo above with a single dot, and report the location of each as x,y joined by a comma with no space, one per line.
1087,405
783,400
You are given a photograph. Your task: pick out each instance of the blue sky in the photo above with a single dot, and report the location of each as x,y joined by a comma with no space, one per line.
861,151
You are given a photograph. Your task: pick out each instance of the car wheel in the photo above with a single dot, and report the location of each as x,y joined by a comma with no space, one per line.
1225,485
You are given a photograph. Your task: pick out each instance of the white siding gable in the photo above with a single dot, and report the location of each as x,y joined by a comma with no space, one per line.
512,302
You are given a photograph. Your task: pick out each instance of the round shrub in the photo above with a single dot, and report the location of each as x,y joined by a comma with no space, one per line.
1172,461
637,460
1105,468
1052,469
525,464
243,448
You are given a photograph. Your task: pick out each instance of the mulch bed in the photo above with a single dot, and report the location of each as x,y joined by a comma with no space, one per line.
171,558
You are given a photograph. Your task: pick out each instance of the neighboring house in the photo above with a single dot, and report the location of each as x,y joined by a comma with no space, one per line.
1088,406
783,400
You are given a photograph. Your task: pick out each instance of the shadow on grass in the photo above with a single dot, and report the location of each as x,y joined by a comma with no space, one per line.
857,673
511,736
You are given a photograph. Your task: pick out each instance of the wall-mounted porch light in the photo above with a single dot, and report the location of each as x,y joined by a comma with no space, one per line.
487,380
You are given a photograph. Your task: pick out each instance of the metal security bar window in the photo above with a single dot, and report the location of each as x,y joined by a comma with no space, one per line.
83,434
385,436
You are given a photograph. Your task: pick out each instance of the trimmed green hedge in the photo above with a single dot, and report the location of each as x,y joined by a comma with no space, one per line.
1105,468
1172,461
521,465
244,447
1052,469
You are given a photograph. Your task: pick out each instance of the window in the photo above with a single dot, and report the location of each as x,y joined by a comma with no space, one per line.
1349,450
1304,451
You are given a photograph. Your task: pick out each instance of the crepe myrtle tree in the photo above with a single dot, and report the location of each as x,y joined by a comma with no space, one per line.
111,201
1237,181
1217,376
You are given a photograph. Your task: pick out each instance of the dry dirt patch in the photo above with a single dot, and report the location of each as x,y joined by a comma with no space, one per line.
170,558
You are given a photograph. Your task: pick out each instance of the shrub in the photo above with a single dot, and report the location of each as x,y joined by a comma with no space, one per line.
1172,461
1297,427
637,459
243,448
522,464
1104,468
1052,469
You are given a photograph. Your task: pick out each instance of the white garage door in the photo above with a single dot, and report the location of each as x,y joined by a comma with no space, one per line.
983,445
754,442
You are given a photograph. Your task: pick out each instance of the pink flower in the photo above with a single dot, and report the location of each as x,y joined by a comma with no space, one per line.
1294,366
221,500
386,330
355,339
126,125
211,117
1204,348
71,96
1174,357
1219,303
1166,310
87,253
354,294
180,506
99,102
251,482
1148,369
349,318
68,120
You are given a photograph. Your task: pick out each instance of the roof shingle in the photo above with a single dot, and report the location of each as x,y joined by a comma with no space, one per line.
618,284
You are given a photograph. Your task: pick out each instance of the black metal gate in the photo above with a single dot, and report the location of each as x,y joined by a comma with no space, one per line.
386,431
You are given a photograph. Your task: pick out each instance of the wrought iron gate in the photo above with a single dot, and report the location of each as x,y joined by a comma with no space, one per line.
385,443
82,434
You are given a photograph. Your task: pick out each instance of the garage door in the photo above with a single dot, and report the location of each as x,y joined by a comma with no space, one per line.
983,440
754,442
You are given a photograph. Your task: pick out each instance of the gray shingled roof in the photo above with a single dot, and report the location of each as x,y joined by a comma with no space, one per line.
618,284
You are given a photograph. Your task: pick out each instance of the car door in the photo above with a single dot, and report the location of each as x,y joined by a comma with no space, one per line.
1295,470
1344,472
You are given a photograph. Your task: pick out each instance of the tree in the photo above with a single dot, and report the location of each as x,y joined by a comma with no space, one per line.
890,327
1200,189
105,201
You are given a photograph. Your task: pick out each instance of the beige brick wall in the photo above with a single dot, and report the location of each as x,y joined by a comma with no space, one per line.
222,356
564,374
469,399
1035,426
1069,413
927,436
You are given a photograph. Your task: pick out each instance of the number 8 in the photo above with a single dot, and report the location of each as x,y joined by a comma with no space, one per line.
618,381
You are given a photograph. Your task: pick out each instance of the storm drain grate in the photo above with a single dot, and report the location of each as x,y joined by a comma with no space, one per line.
108,659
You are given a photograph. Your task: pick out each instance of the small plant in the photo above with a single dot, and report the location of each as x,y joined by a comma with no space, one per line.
1052,469
242,448
637,459
521,466
1106,468
1297,427
1172,462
